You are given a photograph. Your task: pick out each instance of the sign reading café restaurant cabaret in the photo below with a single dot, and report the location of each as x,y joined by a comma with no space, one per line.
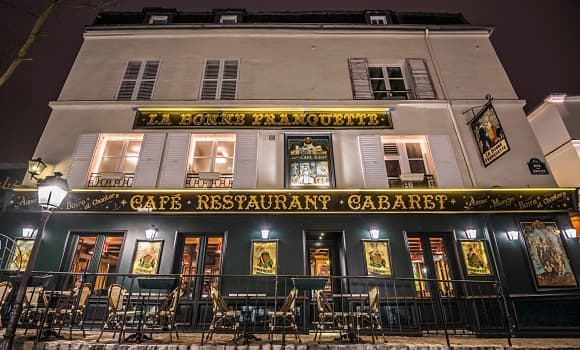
316,201
172,118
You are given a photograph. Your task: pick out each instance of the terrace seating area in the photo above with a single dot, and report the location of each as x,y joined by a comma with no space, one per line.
227,309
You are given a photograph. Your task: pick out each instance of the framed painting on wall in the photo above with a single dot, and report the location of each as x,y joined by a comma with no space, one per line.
146,257
475,258
21,254
377,257
547,255
264,257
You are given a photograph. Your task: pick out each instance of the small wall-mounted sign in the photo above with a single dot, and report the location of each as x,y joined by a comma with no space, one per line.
537,167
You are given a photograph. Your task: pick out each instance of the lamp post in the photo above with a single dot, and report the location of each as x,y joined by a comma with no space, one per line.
51,192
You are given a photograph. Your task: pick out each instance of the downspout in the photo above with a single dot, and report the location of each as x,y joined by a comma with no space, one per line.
455,127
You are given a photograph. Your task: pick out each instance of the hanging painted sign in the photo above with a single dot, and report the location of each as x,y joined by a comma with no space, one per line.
489,135
171,118
315,201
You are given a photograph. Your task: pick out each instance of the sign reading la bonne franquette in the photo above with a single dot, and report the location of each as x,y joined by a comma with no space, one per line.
316,201
233,118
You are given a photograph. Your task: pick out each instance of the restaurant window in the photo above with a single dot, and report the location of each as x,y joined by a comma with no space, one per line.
211,161
139,80
201,255
115,160
220,79
309,161
407,162
388,83
95,253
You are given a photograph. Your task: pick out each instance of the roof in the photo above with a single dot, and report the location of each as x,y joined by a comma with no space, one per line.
277,18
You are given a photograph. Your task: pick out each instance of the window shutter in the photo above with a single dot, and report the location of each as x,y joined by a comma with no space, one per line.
421,80
446,170
174,164
245,172
149,160
229,80
373,164
359,78
81,160
210,80
148,80
129,80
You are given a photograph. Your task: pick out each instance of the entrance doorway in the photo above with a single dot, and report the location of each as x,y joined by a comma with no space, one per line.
432,258
325,257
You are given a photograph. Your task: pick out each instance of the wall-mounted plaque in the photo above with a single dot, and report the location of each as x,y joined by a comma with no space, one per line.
537,167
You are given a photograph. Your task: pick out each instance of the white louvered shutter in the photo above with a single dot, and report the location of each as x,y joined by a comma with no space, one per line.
446,170
81,160
229,80
149,159
209,83
373,163
174,164
148,80
245,172
359,78
421,80
129,80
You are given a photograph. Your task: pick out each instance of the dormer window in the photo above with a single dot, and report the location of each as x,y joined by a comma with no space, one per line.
229,19
158,19
374,19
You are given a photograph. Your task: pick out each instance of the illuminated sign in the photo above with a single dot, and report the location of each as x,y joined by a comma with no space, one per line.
170,118
317,201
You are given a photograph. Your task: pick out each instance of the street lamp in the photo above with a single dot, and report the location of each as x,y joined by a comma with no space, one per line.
36,167
51,192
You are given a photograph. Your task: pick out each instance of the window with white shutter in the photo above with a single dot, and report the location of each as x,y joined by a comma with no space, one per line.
115,160
422,83
388,83
220,79
211,161
407,162
139,80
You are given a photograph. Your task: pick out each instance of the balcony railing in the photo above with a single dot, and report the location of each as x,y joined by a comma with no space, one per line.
369,307
111,180
427,182
392,94
209,181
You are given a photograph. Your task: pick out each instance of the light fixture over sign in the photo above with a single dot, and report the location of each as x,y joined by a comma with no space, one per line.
470,233
36,167
513,235
265,233
374,233
570,232
151,232
28,232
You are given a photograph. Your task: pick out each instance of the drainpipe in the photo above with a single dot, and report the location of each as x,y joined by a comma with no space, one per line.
450,110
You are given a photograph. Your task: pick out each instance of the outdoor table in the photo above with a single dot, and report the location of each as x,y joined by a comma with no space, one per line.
246,337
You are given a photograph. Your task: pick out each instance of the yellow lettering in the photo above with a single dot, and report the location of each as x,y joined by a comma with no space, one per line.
414,199
202,200
368,203
215,202
185,119
295,203
354,202
162,201
228,202
384,203
399,202
428,201
136,201
441,198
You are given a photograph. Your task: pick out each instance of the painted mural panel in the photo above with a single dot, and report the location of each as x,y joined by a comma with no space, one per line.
548,257
377,258
309,161
489,135
475,258
20,257
146,257
264,257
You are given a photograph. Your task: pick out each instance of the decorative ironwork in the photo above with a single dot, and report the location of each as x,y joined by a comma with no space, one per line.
195,181
428,182
111,180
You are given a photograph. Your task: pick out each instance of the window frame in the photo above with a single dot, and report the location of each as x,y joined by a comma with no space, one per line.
403,156
215,139
220,79
102,144
386,79
139,80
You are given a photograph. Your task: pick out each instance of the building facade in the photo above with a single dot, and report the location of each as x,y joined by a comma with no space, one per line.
318,127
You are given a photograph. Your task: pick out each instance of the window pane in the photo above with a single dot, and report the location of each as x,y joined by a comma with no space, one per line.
212,261
378,85
414,150
225,149
129,165
133,148
109,261
203,149
109,165
397,85
224,165
417,166
393,168
394,72
201,165
419,268
113,148
375,72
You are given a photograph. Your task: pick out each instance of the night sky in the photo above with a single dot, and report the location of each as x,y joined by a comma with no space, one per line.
537,41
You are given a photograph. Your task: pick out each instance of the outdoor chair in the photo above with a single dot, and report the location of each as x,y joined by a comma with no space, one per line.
285,317
223,317
369,316
5,290
118,310
72,312
34,308
327,317
164,316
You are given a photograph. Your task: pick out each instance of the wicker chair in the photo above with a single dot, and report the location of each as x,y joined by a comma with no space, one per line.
5,290
117,310
72,313
370,316
34,308
327,317
164,316
285,317
223,317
